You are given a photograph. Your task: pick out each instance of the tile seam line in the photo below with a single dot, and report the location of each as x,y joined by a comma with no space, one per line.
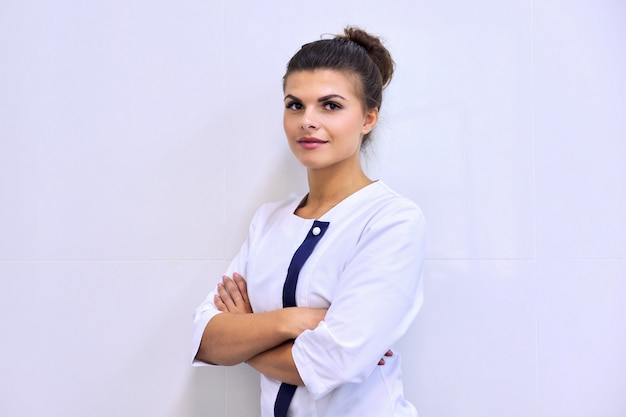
179,260
25,261
534,201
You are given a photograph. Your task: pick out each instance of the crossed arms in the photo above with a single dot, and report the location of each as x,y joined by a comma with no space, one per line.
262,340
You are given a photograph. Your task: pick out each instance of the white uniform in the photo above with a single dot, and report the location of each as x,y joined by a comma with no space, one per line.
367,270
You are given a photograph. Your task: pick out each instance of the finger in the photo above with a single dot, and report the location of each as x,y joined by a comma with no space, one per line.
225,296
220,304
243,287
381,362
233,290
389,353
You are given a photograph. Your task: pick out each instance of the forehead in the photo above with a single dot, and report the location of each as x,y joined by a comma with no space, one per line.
320,82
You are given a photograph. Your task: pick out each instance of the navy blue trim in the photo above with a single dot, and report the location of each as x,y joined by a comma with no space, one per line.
283,399
299,258
287,391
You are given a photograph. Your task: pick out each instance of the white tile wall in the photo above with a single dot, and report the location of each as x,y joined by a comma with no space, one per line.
137,138
580,105
470,164
472,350
581,337
107,128
103,338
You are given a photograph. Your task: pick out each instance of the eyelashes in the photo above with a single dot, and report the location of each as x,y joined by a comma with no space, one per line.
327,105
331,105
294,105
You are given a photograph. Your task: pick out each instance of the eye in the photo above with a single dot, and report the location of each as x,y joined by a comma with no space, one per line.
331,105
294,105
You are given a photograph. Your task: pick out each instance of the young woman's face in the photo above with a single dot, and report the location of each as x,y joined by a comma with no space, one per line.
324,119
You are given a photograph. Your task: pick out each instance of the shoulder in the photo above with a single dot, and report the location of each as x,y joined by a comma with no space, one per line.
380,214
275,211
390,205
280,207
395,228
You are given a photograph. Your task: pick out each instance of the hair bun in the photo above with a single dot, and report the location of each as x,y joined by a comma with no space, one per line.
374,48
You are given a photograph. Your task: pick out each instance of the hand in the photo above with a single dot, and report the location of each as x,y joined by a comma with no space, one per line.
232,295
388,354
303,318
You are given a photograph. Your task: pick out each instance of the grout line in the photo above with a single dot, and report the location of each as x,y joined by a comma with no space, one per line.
29,261
534,259
60,260
225,172
534,197
223,101
533,129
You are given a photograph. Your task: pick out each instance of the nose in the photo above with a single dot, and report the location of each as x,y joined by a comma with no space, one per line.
308,121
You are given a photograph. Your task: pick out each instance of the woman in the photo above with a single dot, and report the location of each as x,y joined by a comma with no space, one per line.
333,279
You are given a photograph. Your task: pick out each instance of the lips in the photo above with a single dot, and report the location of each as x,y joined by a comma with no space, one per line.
311,140
311,143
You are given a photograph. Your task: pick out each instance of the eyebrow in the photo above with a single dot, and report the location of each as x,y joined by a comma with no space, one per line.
319,100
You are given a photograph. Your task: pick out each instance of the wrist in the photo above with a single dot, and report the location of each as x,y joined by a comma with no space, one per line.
289,328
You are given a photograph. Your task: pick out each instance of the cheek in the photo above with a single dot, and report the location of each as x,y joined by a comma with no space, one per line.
354,128
288,125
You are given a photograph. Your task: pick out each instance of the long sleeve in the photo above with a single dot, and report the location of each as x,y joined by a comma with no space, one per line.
378,295
262,221
207,310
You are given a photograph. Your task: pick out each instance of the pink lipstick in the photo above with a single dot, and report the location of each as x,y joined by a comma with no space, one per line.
311,142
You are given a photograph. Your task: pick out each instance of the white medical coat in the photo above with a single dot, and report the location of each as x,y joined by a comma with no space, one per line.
367,270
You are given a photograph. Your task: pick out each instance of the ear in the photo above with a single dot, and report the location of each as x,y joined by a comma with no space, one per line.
371,117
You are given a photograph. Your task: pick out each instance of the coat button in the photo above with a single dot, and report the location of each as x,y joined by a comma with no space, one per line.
316,231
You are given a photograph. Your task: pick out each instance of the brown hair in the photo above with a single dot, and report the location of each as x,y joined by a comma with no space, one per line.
355,52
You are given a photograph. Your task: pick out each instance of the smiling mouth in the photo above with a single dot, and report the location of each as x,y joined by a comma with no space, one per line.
311,140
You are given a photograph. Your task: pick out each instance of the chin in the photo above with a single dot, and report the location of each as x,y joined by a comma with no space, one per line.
312,164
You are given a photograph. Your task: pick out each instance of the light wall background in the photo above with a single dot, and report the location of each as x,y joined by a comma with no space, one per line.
138,137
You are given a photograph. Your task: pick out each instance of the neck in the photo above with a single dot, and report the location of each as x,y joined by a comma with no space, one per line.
325,189
328,187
